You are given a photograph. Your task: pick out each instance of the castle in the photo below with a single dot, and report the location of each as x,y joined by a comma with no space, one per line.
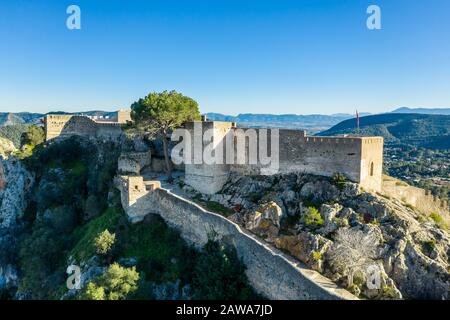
88,126
360,159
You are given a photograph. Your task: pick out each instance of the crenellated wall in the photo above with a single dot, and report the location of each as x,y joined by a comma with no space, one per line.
270,272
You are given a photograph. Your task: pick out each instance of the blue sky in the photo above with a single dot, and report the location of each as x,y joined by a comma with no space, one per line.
310,56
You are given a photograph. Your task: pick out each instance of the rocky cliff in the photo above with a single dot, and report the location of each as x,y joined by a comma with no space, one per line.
15,183
375,246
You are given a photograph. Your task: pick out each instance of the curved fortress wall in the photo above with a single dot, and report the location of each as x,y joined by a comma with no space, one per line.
270,272
360,159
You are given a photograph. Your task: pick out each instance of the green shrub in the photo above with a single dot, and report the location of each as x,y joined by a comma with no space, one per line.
104,242
388,292
312,218
117,283
218,208
33,136
316,256
84,236
437,218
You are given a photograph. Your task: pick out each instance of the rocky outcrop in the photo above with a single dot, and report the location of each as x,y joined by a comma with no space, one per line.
15,181
6,147
265,221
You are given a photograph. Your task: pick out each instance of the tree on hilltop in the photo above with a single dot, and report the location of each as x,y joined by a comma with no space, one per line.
160,113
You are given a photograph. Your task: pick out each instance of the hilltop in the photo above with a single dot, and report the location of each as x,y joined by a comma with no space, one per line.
419,130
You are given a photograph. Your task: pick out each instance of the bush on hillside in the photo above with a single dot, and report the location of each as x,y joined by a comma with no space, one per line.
104,242
117,283
219,274
34,136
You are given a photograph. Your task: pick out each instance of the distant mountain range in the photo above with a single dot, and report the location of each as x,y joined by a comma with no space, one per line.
311,122
443,111
421,130
416,126
11,118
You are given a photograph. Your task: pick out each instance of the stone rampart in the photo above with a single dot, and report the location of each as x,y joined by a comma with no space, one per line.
270,272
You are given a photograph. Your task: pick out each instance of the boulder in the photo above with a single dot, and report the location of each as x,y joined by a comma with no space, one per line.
307,247
265,221
6,147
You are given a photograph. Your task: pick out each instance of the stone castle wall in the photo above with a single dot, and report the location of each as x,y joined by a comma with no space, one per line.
360,159
69,125
270,272
134,162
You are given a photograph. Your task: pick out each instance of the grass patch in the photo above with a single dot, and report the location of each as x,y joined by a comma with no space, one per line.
213,206
158,248
84,236
218,208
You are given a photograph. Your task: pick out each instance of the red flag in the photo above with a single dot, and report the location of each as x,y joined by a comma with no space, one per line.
357,118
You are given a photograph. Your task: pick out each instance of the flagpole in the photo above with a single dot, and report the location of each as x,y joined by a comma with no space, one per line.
357,123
